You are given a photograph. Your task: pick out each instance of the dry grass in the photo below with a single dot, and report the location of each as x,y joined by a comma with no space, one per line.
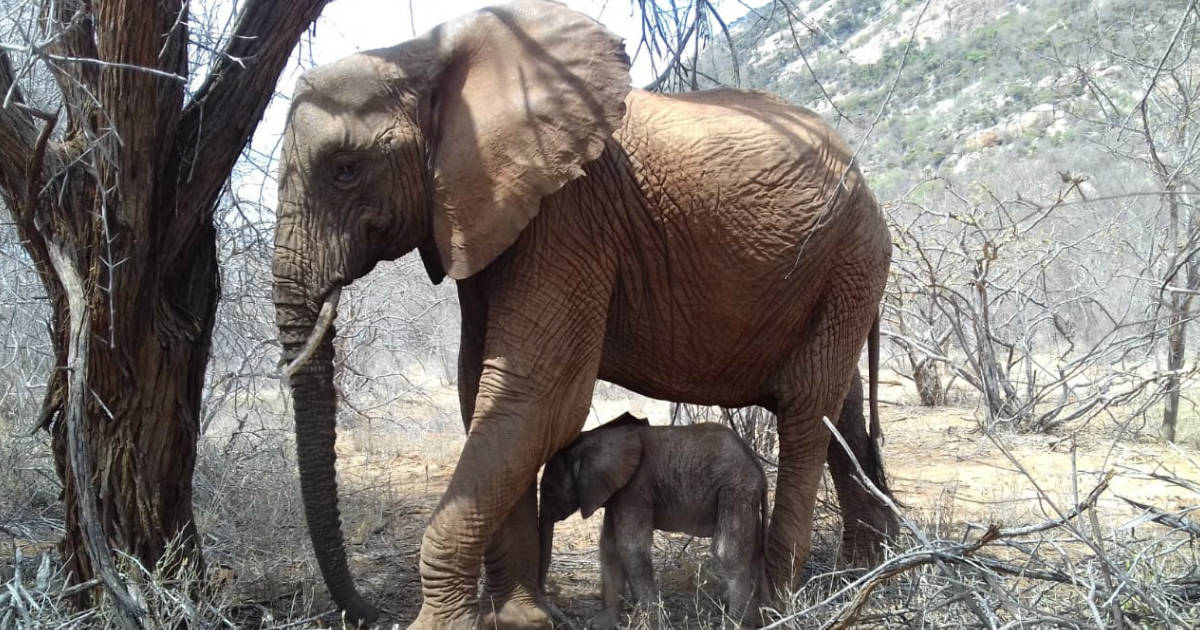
1109,565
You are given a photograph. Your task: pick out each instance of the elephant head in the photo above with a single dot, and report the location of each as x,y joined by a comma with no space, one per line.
584,475
446,143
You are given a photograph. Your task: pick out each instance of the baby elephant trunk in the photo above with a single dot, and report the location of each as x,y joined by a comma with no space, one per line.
557,501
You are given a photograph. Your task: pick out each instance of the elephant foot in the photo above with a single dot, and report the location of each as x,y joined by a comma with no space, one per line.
515,613
746,615
513,605
860,551
863,542
783,580
428,619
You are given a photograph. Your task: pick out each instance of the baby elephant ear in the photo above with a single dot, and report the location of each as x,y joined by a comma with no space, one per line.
606,461
529,92
624,420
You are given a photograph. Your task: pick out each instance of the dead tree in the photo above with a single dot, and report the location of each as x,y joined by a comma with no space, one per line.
1025,300
113,196
1157,134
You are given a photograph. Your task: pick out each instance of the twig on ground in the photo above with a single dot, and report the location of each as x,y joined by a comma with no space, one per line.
1173,520
847,616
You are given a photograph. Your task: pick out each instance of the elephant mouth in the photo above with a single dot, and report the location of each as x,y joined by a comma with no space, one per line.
325,319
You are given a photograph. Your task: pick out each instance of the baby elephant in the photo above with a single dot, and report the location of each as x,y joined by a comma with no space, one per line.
699,479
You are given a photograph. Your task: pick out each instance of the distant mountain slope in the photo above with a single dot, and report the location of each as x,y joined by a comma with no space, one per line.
983,80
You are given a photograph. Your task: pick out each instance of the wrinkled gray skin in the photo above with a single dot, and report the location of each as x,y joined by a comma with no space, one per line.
699,479
716,248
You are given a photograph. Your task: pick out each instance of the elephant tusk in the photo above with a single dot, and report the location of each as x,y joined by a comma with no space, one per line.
324,320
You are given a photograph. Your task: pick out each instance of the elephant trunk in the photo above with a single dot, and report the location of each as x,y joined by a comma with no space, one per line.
545,547
315,404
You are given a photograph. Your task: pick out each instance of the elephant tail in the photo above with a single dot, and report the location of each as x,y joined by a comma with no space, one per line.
873,463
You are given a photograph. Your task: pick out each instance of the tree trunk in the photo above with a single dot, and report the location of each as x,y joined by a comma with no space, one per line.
998,393
928,381
115,208
1180,304
1176,344
142,414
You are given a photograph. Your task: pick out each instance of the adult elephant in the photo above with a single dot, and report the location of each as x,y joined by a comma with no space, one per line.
716,248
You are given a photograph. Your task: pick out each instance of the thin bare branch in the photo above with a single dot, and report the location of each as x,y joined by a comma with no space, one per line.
224,111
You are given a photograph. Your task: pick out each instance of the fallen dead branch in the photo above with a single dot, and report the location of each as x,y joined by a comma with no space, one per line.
1174,520
905,562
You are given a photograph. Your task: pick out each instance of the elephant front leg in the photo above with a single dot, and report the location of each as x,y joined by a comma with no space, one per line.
510,588
612,576
511,597
520,416
546,310
633,529
491,479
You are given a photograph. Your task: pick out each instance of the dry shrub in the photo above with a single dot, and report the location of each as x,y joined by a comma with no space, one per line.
1072,570
1078,563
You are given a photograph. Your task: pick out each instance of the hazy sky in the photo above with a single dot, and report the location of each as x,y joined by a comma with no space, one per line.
348,26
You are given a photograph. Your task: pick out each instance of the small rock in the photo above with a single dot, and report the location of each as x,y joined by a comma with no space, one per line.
1036,119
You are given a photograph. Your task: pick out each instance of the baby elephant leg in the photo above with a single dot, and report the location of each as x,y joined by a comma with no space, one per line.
624,557
612,577
634,545
737,545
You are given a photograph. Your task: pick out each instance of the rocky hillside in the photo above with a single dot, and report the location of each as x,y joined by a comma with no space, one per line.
984,81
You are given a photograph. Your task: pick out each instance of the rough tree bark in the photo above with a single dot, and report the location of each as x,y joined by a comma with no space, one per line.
119,187
927,380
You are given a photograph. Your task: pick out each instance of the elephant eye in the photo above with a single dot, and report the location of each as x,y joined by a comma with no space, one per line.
346,169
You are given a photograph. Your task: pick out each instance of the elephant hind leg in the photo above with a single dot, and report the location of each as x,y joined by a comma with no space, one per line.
802,443
866,520
812,385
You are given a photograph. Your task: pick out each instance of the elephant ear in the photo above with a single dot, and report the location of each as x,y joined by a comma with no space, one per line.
528,93
626,419
604,463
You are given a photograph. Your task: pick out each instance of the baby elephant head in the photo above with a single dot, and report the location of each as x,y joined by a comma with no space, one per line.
585,474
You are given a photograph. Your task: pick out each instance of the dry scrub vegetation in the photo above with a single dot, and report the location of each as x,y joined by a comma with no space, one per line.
1089,528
